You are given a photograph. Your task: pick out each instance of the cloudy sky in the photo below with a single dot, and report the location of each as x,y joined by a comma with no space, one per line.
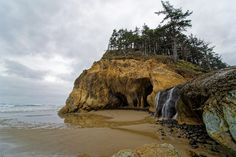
45,44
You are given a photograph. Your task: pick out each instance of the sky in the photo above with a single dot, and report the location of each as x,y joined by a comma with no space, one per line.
46,44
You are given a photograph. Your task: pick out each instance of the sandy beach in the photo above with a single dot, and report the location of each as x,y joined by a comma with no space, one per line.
97,134
94,136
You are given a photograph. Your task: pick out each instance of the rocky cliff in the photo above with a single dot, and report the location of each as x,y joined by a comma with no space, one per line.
208,99
171,90
126,81
212,97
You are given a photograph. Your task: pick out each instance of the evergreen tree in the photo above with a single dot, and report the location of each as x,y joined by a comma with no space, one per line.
113,40
166,39
136,39
176,21
145,38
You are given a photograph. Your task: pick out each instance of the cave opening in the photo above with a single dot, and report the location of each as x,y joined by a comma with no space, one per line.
122,99
147,91
134,100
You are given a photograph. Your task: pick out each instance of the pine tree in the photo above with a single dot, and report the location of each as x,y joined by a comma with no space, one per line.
136,39
168,39
145,38
113,40
176,21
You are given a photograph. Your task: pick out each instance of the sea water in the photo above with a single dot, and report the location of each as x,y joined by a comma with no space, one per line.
29,115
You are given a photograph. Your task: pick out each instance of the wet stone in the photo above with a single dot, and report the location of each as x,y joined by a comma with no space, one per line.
195,133
193,154
194,146
214,149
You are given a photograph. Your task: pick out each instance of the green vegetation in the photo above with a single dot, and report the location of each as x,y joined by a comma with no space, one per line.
167,39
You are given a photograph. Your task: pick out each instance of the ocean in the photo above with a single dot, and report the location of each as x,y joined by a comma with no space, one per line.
29,116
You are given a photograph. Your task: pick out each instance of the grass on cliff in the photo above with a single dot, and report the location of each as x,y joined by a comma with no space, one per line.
184,68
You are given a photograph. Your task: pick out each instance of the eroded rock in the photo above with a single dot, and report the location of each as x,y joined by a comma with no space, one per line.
124,82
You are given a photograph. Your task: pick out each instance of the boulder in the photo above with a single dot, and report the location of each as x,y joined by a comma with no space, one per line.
150,150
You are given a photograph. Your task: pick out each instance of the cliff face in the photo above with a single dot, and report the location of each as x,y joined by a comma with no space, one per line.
125,82
209,99
212,97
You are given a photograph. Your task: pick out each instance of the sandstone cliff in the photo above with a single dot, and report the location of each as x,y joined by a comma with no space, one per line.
126,81
136,81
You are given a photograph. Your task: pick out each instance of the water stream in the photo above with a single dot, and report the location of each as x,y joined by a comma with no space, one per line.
166,103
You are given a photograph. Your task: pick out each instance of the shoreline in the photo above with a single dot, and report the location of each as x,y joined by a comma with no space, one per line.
90,137
96,134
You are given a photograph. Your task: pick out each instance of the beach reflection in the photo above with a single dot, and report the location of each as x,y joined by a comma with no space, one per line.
102,119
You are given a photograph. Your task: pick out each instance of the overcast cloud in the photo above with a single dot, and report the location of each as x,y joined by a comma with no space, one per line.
45,44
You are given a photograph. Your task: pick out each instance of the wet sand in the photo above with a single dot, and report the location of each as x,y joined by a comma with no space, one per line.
73,142
91,134
98,134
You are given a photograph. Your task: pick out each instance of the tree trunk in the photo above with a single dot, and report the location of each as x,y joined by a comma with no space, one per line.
145,48
175,54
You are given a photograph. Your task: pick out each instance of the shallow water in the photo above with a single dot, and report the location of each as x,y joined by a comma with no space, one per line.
31,119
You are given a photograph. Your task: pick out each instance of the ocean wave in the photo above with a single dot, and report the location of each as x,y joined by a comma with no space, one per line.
13,108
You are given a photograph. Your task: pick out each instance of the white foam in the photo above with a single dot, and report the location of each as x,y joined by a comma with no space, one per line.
13,108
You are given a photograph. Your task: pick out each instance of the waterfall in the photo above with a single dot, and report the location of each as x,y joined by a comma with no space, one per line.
165,109
157,102
166,103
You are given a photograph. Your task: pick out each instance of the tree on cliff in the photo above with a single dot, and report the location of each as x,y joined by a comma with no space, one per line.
176,22
202,54
168,39
113,39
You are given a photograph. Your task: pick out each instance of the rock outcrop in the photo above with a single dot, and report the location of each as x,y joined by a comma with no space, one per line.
134,81
150,150
130,82
212,97
208,99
